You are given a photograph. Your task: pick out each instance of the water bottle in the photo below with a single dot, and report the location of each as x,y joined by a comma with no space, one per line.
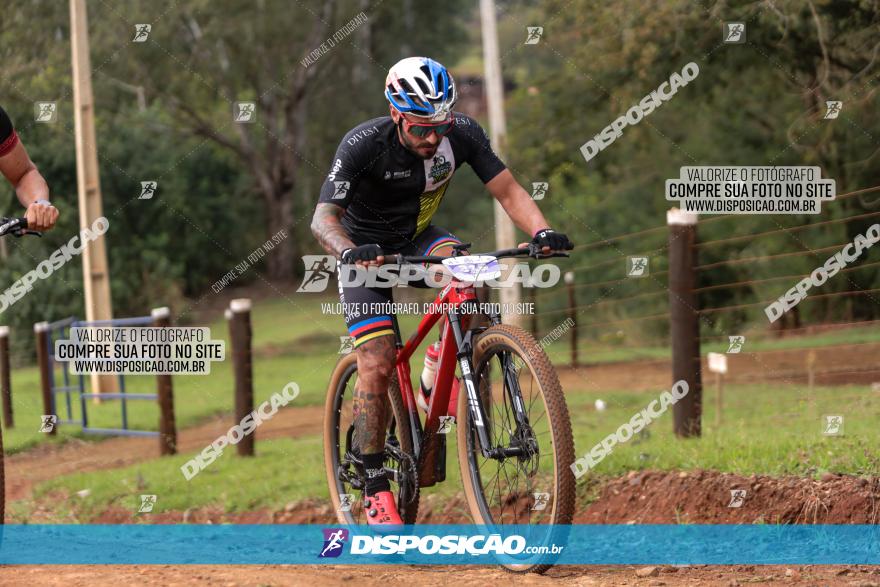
429,372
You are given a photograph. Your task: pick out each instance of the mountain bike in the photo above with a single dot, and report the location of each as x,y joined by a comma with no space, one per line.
513,431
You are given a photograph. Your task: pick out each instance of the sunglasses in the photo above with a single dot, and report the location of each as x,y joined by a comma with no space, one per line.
421,130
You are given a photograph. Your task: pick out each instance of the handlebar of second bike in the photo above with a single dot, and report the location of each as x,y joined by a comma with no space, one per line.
16,227
531,251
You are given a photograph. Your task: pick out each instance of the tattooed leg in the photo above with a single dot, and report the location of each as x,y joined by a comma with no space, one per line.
371,405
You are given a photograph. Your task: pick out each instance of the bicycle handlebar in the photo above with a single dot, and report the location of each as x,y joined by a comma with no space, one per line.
530,251
16,227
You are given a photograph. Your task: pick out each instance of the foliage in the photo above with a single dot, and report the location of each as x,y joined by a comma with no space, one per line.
759,103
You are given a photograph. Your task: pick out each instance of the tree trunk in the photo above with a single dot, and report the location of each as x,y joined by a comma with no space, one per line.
409,25
280,260
364,61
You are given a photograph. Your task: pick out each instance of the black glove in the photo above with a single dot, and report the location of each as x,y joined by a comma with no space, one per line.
362,253
557,241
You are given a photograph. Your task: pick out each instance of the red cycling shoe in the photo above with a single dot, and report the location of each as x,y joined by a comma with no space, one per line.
381,511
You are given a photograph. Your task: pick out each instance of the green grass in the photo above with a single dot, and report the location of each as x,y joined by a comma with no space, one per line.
282,471
293,341
594,352
767,430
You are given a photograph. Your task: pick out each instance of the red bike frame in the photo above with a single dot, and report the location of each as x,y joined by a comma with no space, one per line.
425,441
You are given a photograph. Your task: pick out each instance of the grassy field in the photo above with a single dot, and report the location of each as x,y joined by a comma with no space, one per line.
291,343
768,429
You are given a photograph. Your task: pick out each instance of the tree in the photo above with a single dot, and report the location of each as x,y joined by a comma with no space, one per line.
301,65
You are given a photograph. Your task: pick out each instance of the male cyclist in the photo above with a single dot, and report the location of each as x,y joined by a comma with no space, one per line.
387,179
20,171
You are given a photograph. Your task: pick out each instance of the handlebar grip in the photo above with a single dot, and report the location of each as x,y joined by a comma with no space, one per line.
8,225
17,227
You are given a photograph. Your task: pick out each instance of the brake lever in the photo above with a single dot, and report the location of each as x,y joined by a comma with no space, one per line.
535,253
459,249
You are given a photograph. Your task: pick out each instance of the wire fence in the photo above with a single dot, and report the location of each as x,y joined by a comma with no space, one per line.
622,312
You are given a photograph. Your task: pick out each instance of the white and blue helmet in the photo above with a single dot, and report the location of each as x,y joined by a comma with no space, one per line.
422,87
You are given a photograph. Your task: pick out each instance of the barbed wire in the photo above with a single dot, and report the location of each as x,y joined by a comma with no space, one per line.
579,286
817,329
808,298
612,239
795,373
837,198
781,277
788,229
767,257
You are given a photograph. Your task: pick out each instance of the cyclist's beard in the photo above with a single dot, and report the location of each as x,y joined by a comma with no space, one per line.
423,150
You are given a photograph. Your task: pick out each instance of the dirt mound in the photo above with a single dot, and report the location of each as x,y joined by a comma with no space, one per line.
705,497
641,497
648,497
333,575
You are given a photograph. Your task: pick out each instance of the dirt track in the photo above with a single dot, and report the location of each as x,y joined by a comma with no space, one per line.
43,463
643,498
263,575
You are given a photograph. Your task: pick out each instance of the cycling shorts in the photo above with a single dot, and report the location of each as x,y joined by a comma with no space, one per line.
367,310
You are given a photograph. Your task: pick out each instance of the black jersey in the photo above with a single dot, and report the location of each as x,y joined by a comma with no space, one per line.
389,193
8,138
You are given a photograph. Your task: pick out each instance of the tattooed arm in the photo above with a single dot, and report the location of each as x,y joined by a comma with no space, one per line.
328,230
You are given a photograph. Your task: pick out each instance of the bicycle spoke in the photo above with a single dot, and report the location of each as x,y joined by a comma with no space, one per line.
508,484
347,456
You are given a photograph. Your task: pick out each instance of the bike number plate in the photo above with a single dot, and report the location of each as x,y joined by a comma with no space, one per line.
473,267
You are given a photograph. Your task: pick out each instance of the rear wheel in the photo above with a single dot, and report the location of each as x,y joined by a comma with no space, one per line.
345,473
536,487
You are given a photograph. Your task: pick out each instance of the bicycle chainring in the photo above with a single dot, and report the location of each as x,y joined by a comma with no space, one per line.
407,476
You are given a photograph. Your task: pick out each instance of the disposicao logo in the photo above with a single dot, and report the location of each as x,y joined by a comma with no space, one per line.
334,539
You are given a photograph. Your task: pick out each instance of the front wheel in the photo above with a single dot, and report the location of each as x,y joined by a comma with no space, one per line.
525,411
344,468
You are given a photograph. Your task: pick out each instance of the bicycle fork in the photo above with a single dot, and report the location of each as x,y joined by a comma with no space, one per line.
475,404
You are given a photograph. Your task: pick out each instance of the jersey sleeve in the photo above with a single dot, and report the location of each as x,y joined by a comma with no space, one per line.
8,137
478,151
349,165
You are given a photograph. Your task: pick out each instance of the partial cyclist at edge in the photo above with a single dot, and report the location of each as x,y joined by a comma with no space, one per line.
30,187
386,182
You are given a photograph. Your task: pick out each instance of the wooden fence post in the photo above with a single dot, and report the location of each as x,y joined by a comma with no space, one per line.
569,284
165,393
5,379
684,320
239,317
41,330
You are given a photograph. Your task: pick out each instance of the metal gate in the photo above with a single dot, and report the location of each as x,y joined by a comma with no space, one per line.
72,387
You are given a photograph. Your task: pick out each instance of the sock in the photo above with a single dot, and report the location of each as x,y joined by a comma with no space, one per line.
373,467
